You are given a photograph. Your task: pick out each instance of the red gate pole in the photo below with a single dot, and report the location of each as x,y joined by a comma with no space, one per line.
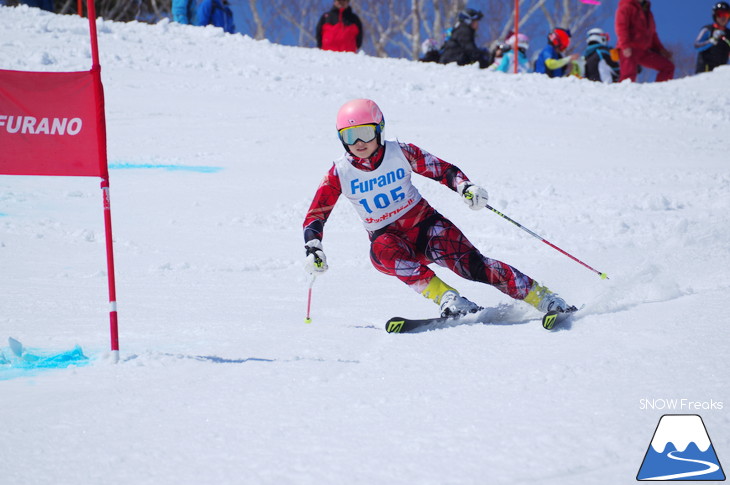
113,322
101,138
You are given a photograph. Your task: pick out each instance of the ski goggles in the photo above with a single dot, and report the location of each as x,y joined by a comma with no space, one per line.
364,133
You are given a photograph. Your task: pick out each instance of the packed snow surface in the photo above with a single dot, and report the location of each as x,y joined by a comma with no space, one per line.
216,145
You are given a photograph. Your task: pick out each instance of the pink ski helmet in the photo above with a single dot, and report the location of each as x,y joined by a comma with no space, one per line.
360,112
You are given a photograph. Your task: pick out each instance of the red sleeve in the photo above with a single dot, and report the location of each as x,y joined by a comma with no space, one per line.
328,192
423,163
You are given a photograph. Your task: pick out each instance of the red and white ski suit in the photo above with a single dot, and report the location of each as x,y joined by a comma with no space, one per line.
404,242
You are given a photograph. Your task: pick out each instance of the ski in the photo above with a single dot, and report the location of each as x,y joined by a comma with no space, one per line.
405,325
551,318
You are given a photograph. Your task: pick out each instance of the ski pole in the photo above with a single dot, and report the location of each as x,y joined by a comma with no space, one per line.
603,276
308,319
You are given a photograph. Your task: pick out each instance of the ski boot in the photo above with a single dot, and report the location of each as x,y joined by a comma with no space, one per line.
448,299
545,300
452,304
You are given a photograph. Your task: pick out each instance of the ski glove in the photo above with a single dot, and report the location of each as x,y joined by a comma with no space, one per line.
474,196
315,262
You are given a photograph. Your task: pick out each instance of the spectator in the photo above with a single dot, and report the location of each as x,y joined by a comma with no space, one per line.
552,60
600,64
713,42
507,64
183,11
460,47
638,42
429,51
339,29
497,52
217,13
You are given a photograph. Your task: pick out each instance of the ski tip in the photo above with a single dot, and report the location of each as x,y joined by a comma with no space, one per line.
549,319
552,317
395,325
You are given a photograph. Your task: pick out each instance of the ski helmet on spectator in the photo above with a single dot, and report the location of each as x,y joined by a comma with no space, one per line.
470,15
560,38
523,42
597,36
720,7
360,112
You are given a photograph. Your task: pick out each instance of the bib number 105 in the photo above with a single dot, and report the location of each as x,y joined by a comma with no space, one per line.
383,199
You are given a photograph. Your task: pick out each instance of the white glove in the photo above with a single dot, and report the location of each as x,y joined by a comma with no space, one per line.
315,262
474,196
718,34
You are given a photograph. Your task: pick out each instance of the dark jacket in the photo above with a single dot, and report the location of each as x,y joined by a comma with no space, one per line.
215,12
339,30
710,55
635,27
462,49
597,55
42,4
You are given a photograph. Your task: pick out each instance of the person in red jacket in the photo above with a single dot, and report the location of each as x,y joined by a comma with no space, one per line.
638,42
339,29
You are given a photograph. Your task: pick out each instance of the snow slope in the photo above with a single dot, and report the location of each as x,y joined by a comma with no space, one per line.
217,144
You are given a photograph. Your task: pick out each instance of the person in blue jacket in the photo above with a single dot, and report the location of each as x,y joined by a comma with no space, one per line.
183,11
217,13
507,63
552,60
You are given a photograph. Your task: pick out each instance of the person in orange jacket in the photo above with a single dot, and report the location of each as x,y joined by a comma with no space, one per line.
339,29
638,42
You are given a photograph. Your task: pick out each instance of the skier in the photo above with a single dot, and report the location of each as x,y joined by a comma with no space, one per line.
406,233
497,53
183,11
638,42
460,47
713,41
217,13
599,65
507,63
339,29
551,60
